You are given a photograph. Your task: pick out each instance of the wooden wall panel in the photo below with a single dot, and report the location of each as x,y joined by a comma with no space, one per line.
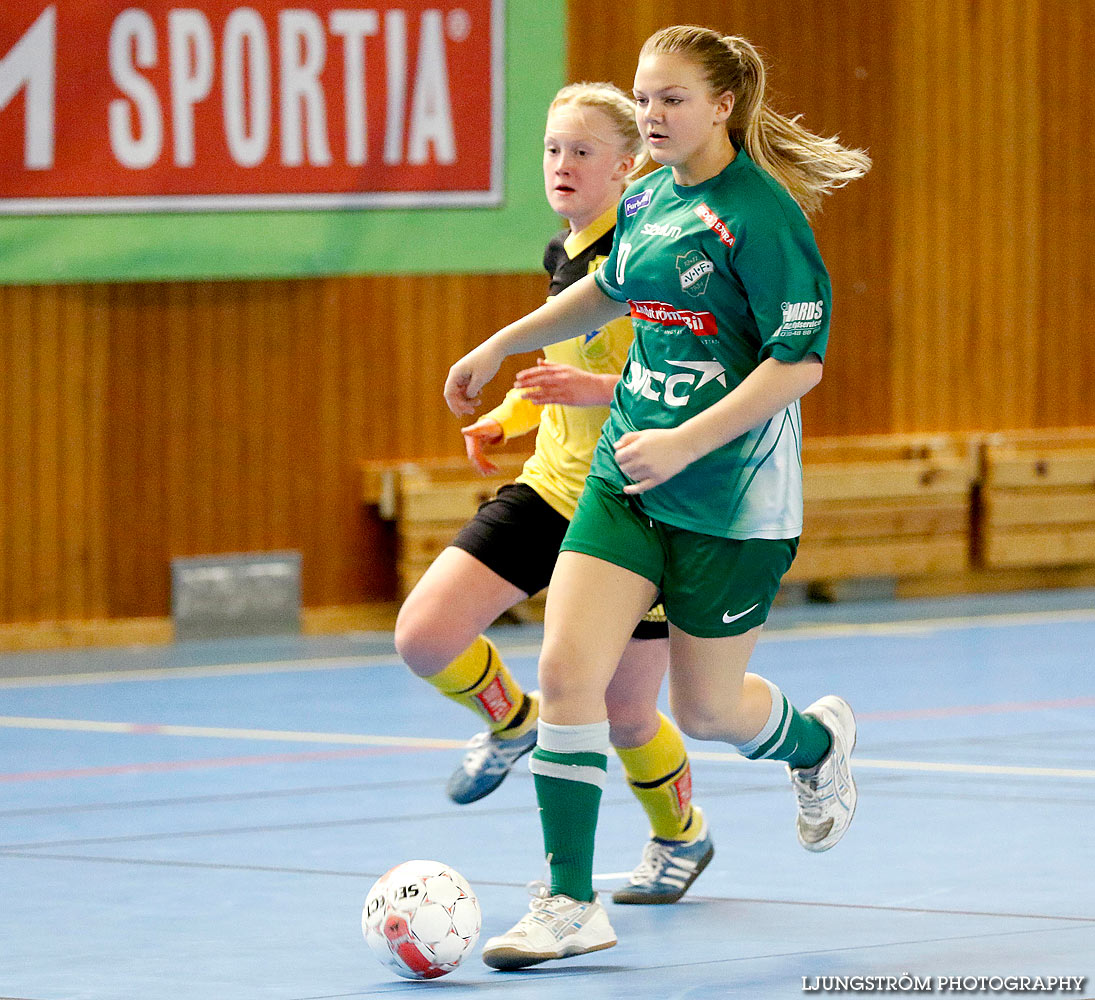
967,220
44,494
1066,358
141,422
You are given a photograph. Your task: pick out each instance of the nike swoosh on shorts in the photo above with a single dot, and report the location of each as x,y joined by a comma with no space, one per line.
727,618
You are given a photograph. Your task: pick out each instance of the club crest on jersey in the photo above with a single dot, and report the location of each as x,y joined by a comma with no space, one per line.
637,201
594,348
694,270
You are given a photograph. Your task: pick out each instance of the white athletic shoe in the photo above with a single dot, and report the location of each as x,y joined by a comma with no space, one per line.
826,792
554,927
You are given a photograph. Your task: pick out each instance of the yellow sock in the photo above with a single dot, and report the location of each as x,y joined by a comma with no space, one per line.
661,778
479,679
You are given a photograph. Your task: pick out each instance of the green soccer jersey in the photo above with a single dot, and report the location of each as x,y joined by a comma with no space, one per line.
719,276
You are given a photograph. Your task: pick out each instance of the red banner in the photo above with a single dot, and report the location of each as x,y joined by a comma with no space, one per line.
250,105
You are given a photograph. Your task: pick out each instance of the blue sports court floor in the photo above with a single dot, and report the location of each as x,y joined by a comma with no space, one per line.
203,821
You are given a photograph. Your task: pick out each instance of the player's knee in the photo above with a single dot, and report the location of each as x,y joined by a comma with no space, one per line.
421,647
703,727
706,721
554,686
630,734
563,687
630,724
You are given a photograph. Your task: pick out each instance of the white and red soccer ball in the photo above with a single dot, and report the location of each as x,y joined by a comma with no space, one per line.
421,919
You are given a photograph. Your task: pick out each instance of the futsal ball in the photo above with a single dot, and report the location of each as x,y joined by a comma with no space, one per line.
421,919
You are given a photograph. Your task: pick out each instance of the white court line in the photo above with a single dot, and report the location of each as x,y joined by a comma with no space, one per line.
925,626
364,739
796,633
1007,770
226,733
211,670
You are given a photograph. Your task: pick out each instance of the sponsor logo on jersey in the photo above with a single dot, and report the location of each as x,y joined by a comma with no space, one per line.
694,270
800,319
637,201
715,224
661,229
672,388
702,324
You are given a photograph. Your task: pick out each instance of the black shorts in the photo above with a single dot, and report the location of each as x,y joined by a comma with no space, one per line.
517,535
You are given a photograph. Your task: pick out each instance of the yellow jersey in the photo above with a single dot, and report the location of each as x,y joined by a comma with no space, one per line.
567,435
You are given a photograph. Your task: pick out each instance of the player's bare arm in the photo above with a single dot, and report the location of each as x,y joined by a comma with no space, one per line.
581,307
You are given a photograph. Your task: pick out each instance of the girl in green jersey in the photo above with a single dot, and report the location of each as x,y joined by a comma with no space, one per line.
695,491
508,549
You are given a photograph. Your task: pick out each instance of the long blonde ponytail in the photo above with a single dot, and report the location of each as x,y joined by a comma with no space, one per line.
809,166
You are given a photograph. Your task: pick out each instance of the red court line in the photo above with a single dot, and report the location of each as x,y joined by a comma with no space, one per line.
958,710
152,767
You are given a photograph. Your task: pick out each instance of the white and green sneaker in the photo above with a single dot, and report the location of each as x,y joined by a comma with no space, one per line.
554,927
826,792
667,869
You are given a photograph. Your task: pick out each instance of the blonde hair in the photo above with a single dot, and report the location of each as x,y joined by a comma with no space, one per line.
617,107
807,165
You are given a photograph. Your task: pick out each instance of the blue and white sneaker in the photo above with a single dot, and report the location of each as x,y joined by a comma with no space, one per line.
487,761
826,792
667,869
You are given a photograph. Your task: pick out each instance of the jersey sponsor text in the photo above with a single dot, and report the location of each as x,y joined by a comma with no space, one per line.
672,388
715,224
801,318
702,324
661,229
637,201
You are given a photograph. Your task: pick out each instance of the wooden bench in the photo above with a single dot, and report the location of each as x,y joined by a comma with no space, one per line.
882,506
429,500
890,506
1037,499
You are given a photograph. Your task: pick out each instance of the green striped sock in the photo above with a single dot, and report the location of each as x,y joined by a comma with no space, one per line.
568,790
788,735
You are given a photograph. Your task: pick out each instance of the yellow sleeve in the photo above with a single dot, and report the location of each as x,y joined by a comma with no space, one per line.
516,415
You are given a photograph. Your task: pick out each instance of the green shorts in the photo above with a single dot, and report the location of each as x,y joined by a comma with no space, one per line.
711,586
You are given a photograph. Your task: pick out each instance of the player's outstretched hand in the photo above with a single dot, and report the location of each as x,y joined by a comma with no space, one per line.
550,382
648,458
482,432
468,376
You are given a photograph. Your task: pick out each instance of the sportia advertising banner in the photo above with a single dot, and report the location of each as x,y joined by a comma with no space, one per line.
227,139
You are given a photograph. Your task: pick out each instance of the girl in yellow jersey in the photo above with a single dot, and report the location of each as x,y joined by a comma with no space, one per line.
508,550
